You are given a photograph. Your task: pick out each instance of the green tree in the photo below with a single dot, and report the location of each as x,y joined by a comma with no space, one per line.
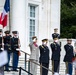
68,19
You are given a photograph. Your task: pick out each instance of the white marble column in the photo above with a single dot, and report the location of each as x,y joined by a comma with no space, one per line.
18,20
55,15
45,20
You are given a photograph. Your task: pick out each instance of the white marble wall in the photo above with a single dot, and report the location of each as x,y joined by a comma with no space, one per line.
48,18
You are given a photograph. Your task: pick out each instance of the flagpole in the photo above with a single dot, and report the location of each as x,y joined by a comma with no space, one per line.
9,16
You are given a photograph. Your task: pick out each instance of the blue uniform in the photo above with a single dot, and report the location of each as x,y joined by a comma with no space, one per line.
55,47
68,58
14,46
44,58
7,47
0,43
56,35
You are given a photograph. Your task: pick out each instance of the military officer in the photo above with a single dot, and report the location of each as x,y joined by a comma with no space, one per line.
7,47
15,46
44,57
68,56
34,55
55,34
55,47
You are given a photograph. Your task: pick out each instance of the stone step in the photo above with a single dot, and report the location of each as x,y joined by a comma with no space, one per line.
22,64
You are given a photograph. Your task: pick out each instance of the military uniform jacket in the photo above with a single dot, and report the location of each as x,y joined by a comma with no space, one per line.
44,54
14,44
55,47
55,35
69,53
34,51
7,43
0,43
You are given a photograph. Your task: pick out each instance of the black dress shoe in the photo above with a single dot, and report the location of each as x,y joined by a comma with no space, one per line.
7,70
11,70
15,70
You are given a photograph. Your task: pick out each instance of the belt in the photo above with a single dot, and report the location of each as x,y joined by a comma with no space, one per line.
7,44
16,45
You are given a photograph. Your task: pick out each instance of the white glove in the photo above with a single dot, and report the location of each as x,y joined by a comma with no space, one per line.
18,49
2,49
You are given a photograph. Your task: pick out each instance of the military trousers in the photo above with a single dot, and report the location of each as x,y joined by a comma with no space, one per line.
55,66
69,68
15,60
44,71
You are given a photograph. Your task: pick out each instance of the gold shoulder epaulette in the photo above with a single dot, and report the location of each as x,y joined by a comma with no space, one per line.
42,46
53,43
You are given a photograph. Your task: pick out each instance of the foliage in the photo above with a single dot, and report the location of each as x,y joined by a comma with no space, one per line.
68,19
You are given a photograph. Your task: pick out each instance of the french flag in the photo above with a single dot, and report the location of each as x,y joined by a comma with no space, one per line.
4,14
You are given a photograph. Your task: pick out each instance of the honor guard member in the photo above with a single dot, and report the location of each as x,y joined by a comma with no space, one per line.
34,57
55,34
44,57
68,56
15,46
1,40
7,47
1,49
55,47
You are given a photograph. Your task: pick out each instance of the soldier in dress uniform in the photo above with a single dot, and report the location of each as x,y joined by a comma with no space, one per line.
15,46
44,57
1,40
68,56
34,57
1,49
55,34
7,47
55,47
